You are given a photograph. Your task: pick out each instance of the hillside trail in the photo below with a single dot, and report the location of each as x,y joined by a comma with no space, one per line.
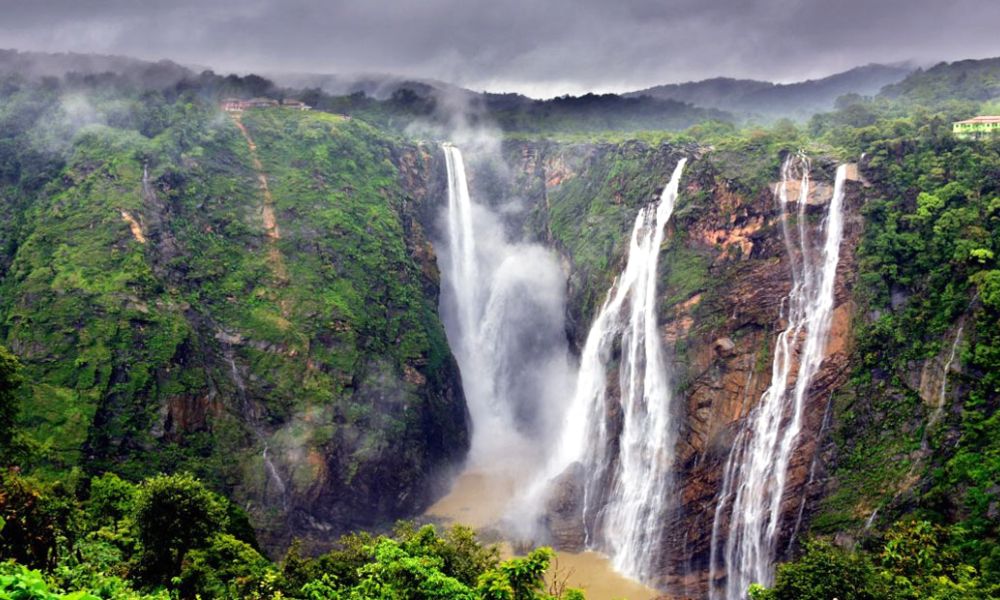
271,230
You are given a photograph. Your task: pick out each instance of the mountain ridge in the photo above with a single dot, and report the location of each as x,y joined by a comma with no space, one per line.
749,96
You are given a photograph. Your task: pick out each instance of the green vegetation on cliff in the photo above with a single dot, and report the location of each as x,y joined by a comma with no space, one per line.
248,307
592,213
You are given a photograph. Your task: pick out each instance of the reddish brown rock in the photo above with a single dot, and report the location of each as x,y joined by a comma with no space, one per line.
727,381
720,341
185,414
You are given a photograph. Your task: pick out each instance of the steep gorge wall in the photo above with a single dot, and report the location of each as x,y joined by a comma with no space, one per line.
724,276
160,333
725,353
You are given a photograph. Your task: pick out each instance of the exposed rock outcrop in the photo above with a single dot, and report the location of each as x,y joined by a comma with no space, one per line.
564,518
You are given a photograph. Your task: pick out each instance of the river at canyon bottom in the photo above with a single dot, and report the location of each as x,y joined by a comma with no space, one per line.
478,499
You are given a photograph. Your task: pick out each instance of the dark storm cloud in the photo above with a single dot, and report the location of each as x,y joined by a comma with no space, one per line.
541,47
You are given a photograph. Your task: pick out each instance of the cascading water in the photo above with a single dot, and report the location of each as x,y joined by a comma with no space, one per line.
626,465
756,471
943,391
503,307
461,247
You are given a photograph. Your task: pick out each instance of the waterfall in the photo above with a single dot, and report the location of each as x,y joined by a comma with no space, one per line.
503,307
943,391
253,418
756,470
461,246
626,463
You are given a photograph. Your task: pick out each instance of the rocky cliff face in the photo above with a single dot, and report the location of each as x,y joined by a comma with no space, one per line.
253,301
725,365
724,275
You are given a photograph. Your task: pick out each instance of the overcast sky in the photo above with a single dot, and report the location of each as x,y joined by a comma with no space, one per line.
538,47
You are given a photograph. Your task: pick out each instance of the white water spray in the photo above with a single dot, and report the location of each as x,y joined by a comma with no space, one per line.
503,306
625,445
756,471
462,246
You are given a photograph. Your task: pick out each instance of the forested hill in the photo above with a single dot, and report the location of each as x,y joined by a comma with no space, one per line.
388,101
762,99
38,65
975,80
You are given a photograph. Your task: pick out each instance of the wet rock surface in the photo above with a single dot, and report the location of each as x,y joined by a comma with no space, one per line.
719,335
563,514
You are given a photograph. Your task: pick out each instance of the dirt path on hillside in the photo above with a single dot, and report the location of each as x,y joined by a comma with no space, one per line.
275,259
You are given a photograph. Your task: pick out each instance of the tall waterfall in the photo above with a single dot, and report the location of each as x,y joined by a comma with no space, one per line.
757,468
503,305
626,445
461,247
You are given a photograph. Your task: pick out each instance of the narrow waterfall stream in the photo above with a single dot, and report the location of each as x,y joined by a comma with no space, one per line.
253,418
756,471
625,468
943,390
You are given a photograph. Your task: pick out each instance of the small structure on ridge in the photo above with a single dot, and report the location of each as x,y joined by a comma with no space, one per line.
239,105
976,127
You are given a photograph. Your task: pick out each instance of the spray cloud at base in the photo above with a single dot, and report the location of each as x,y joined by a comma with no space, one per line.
503,305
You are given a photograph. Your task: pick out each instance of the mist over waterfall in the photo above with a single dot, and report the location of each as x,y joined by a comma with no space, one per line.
620,450
757,467
503,306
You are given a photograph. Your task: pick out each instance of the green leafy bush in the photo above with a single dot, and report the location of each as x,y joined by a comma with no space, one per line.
174,514
821,573
10,380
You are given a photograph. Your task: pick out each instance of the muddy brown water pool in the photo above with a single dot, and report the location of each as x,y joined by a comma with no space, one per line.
478,499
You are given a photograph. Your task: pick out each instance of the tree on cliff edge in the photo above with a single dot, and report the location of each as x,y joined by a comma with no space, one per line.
10,380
